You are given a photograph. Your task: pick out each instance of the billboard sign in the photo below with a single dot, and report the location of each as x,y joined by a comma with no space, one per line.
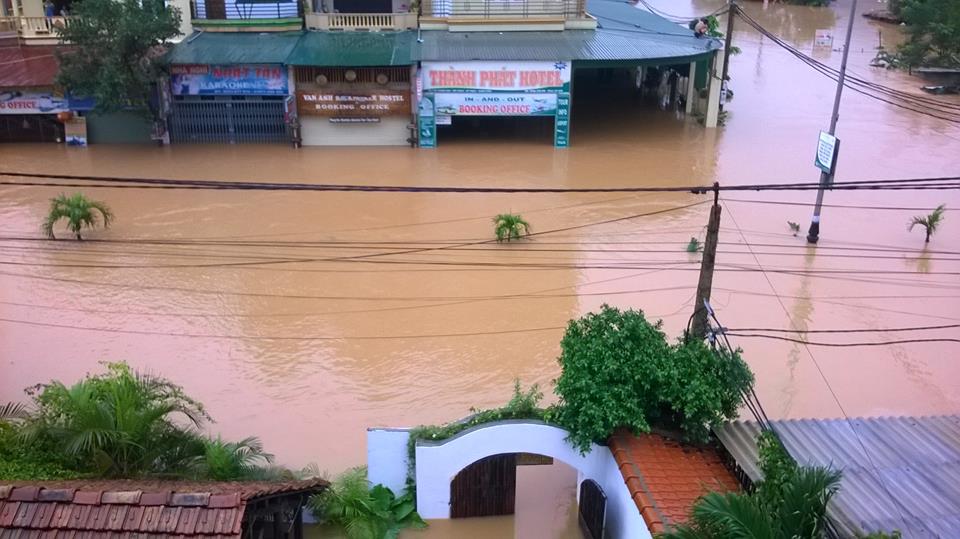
240,79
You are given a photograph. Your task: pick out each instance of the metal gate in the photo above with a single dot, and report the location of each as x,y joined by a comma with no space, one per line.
229,119
485,488
593,508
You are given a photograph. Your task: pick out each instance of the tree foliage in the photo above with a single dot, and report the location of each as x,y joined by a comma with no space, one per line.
929,222
509,226
115,52
122,424
363,512
933,32
79,211
619,371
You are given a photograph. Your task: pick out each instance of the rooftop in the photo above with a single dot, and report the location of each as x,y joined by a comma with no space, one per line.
22,66
665,477
908,478
131,508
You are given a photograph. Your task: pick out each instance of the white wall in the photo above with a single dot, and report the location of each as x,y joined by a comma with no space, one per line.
387,458
439,462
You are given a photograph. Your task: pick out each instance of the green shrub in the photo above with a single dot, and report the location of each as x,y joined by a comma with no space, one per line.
363,512
619,371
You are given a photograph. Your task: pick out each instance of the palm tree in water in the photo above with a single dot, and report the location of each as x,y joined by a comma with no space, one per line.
929,222
509,226
79,211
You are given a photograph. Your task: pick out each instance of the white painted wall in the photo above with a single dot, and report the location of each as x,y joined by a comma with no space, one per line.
387,458
439,462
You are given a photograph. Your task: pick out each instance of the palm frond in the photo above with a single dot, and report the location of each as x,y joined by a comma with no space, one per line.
737,514
13,411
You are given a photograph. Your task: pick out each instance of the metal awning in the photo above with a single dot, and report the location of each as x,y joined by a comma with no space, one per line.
234,48
353,49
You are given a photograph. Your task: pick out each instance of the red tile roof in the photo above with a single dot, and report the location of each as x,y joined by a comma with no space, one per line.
665,477
54,509
27,66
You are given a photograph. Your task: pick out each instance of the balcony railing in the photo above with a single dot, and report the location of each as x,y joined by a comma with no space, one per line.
34,28
503,9
361,21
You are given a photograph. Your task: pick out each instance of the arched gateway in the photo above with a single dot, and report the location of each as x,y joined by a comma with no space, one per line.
456,477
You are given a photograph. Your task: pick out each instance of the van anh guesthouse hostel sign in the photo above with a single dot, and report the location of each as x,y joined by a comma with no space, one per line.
353,106
496,89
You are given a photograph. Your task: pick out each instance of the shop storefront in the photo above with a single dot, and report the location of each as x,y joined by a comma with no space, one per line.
484,88
41,116
364,106
239,103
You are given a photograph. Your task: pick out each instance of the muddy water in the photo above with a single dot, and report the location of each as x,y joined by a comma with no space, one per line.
307,354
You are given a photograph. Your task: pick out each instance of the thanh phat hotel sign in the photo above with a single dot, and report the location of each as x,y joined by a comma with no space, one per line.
485,88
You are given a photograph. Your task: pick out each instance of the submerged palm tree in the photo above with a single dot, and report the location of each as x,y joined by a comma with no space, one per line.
799,510
79,211
929,222
509,226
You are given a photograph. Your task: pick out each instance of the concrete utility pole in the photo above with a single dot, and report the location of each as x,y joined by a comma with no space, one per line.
728,39
813,235
705,286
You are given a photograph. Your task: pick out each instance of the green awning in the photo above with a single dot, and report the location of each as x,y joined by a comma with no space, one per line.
353,49
234,48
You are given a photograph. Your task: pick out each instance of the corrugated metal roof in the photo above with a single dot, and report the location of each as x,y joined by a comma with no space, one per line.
623,33
234,48
22,66
918,459
597,45
354,49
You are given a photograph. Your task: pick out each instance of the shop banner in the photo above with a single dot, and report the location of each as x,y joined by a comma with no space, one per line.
241,79
561,126
496,104
428,126
496,76
75,130
353,104
32,103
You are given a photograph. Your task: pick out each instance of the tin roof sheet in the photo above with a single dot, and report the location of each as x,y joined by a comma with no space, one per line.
234,48
27,66
914,486
353,49
577,45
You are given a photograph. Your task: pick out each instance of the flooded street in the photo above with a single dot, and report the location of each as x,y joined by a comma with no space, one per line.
239,296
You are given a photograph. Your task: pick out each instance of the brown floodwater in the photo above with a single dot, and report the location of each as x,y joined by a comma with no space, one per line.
308,354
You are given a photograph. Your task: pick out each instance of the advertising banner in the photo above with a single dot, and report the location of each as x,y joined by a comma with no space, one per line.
561,127
547,77
32,103
76,131
353,104
241,79
500,104
428,126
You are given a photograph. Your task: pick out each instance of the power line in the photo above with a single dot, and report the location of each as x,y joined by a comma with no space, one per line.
880,330
845,206
842,345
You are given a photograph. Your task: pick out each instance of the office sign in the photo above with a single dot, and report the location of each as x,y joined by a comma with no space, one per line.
352,104
546,77
499,104
19,102
239,79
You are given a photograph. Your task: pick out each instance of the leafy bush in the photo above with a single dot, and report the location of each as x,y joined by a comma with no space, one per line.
509,226
619,371
121,424
363,512
933,32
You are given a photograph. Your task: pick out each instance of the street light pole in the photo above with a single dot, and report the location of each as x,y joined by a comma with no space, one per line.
826,178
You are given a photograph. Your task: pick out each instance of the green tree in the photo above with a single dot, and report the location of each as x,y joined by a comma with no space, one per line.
933,32
364,512
115,53
121,423
619,371
509,226
929,222
230,461
79,211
